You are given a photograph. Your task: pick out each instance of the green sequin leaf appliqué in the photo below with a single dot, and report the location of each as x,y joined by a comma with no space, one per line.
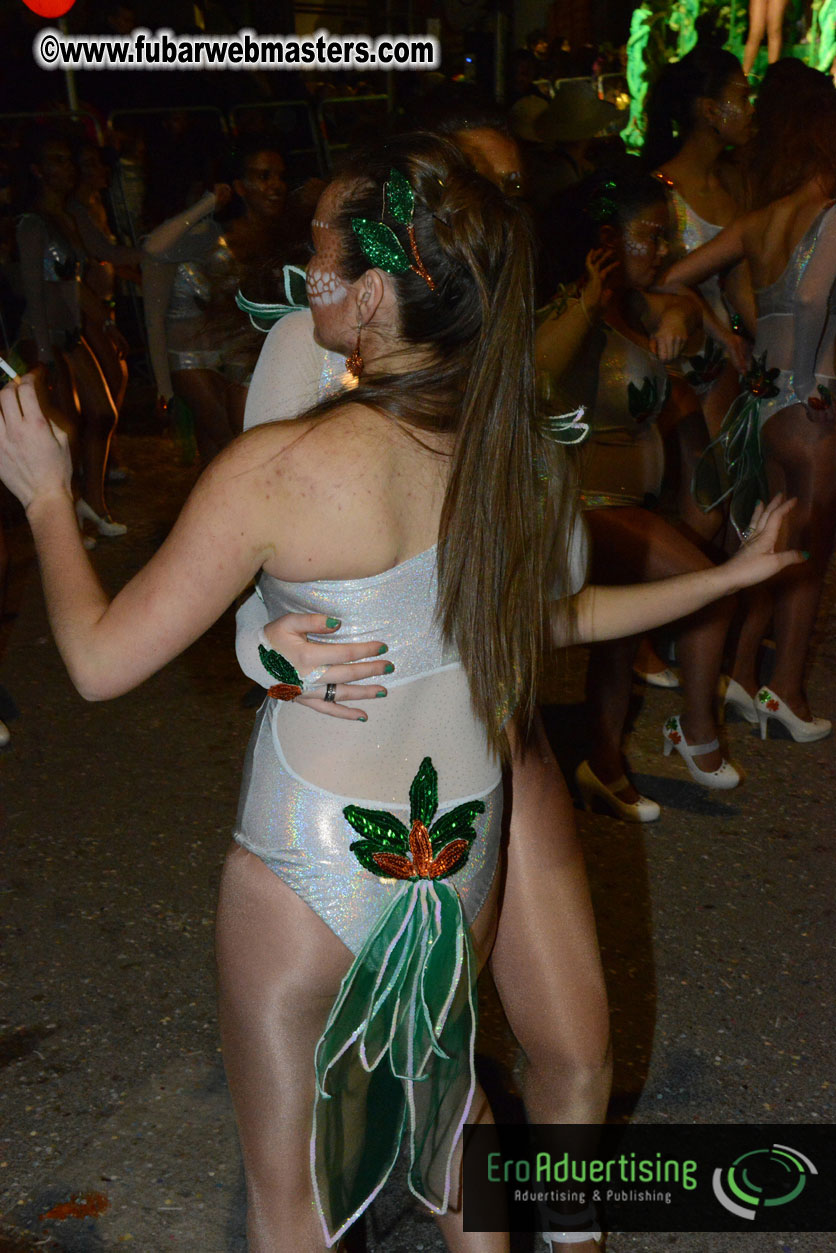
456,825
423,794
277,665
390,851
400,198
378,827
381,245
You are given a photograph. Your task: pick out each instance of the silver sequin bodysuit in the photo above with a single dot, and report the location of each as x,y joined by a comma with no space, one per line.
624,387
796,331
302,769
688,232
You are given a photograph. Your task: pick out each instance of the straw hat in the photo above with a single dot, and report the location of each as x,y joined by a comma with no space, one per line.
524,117
577,113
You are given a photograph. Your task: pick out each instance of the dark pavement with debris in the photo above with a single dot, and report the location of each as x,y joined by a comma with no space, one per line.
717,929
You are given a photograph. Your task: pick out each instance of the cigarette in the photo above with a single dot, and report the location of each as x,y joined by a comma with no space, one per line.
7,369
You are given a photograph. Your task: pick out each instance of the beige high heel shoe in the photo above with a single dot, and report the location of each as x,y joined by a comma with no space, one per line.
593,791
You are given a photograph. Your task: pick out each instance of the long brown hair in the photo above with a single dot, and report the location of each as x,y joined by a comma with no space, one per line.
795,140
478,322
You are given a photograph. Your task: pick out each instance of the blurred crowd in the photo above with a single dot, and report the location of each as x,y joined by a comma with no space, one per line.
167,251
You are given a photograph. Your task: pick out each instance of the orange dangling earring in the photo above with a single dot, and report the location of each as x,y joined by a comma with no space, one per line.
354,363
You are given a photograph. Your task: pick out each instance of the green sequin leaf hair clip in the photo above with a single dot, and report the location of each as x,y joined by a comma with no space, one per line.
381,245
400,198
602,207
379,242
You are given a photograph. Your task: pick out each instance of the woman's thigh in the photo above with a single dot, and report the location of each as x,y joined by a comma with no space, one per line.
546,961
636,545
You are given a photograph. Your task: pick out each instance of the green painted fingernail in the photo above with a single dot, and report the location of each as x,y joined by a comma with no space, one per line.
384,648
362,718
388,668
332,622
381,693
805,555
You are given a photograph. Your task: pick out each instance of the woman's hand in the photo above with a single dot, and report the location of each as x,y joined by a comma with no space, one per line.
671,335
223,194
320,664
34,452
596,292
762,552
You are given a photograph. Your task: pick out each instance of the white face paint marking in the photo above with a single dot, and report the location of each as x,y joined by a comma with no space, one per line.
325,287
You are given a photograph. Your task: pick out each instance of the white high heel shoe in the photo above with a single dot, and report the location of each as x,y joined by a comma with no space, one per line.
737,698
768,705
592,789
559,1239
724,778
657,678
105,526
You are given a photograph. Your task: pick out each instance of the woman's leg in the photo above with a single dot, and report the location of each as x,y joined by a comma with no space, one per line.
757,30
633,544
775,28
280,970
98,417
204,391
113,365
686,436
801,455
546,962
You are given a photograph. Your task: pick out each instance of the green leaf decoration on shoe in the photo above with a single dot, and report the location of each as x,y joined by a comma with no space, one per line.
391,852
378,827
423,794
381,245
400,198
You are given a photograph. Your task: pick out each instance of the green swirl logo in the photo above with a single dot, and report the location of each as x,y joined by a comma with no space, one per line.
762,1177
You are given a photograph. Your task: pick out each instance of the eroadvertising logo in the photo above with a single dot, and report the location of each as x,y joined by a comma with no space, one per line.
762,1177
645,1177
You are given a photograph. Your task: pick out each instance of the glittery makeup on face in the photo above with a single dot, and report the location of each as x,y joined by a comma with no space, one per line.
641,237
325,287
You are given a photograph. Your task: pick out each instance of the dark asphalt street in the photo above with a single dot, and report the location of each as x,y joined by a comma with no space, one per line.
717,928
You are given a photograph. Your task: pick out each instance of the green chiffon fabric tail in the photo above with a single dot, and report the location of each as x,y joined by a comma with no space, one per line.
396,1058
731,467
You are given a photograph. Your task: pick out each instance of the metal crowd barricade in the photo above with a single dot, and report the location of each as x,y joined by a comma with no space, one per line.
56,119
295,124
344,119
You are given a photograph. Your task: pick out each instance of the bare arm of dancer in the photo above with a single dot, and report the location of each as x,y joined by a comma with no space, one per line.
609,613
674,323
168,234
97,245
562,335
720,254
213,551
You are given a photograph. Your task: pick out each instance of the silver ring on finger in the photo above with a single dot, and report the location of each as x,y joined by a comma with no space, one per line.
330,693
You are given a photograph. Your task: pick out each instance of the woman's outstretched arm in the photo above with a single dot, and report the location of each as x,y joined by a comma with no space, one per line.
720,254
607,613
214,549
